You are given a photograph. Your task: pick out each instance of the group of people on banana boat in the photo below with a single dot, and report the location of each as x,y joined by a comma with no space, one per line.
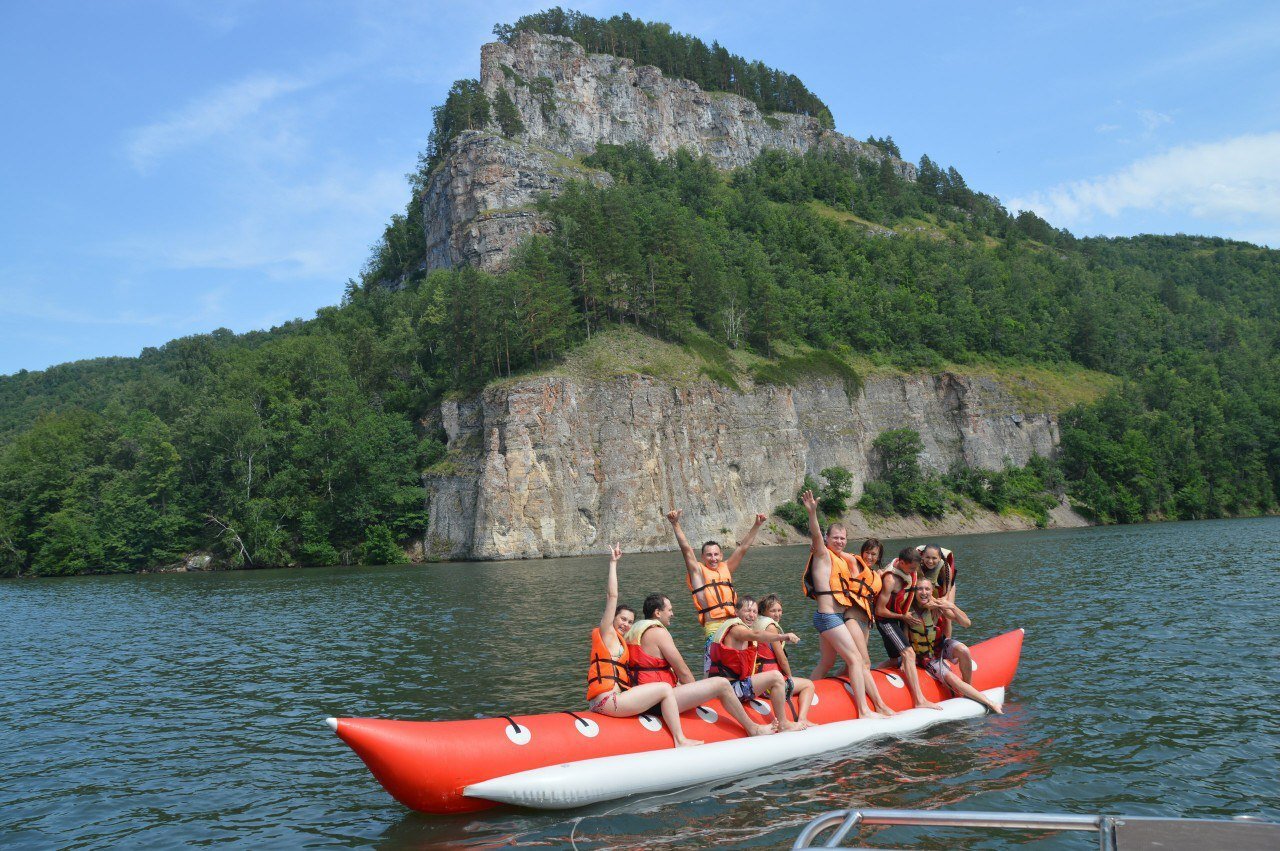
635,666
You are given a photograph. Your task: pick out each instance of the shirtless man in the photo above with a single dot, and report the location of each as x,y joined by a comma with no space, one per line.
829,622
610,689
935,651
654,658
711,579
773,657
732,655
894,614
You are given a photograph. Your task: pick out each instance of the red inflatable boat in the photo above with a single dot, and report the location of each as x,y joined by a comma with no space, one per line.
428,765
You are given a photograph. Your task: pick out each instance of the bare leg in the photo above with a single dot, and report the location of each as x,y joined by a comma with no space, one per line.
824,664
640,699
962,688
842,643
803,695
774,685
700,691
912,676
959,653
858,632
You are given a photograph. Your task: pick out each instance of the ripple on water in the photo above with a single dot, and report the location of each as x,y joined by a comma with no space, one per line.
164,710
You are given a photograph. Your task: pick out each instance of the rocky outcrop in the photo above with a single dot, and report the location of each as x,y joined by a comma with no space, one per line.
479,201
557,466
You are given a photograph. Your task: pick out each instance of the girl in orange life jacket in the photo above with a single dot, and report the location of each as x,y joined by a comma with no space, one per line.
835,638
773,657
654,658
732,655
934,651
894,613
710,580
609,686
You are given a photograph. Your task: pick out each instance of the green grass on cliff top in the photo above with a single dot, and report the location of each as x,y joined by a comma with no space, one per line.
621,352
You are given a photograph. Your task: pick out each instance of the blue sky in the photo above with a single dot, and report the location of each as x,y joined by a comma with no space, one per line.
171,168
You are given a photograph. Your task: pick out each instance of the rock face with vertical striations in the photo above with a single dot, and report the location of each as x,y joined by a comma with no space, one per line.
554,466
479,201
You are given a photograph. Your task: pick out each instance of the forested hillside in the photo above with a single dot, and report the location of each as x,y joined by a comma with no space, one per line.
304,444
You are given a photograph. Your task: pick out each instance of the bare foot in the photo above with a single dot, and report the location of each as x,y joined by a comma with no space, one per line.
870,713
885,710
804,724
788,726
689,743
760,730
929,704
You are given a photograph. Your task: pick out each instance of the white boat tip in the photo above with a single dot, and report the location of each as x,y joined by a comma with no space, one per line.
333,724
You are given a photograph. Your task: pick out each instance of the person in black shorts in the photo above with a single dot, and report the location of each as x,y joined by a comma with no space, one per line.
894,613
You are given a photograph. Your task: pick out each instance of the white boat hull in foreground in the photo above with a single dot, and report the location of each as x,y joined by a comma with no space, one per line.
589,781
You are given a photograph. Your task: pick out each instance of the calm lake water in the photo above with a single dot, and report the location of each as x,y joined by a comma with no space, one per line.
187,709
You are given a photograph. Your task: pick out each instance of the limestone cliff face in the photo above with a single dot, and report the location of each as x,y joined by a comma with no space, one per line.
478,203
557,466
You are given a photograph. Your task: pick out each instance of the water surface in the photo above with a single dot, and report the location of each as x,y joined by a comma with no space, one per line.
186,708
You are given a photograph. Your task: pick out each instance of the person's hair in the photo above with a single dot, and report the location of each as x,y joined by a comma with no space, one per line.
767,601
710,544
935,547
743,600
873,543
652,603
623,607
910,555
840,526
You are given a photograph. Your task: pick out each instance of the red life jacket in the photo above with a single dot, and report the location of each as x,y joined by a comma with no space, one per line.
645,668
766,653
732,664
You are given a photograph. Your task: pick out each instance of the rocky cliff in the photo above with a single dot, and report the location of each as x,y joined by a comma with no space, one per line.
554,466
479,201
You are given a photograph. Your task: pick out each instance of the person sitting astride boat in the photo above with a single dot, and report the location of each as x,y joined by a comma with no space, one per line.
934,651
710,580
732,655
654,659
827,581
773,657
938,565
894,613
610,690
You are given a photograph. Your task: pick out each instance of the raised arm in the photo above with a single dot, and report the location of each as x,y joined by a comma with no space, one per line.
690,558
734,560
950,610
780,653
816,542
744,633
610,597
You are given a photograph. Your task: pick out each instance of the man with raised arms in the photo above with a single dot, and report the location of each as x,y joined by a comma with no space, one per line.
894,614
710,579
655,659
828,620
935,651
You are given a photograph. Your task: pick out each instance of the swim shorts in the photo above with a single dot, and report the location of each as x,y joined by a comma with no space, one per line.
599,703
743,689
893,636
937,667
823,621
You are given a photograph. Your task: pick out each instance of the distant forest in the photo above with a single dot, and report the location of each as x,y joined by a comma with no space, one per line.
304,444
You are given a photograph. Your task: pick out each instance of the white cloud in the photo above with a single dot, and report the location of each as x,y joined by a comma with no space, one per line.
217,114
1231,187
1152,120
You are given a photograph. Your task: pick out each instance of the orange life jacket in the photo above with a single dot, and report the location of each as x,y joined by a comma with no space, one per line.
727,662
643,667
715,599
853,582
605,672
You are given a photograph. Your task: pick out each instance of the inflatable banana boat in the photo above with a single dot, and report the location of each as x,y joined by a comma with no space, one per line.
568,759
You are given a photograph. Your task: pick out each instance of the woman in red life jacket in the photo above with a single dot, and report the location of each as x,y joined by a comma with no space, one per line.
610,689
